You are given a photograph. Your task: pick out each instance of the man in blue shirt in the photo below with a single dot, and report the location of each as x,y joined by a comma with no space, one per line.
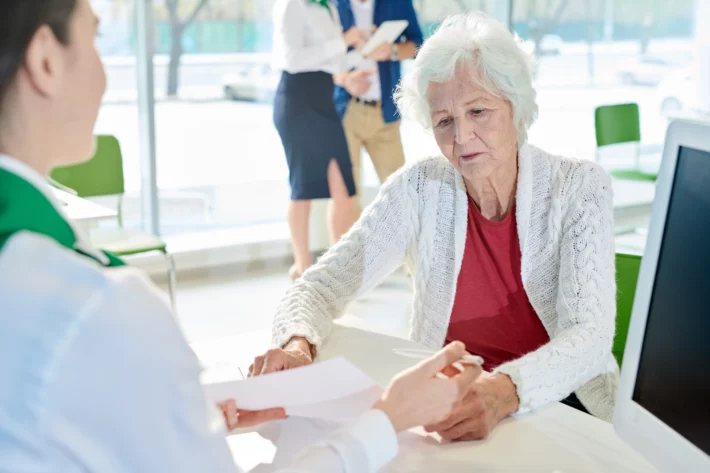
364,97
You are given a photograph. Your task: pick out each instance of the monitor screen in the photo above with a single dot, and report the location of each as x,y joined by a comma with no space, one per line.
673,379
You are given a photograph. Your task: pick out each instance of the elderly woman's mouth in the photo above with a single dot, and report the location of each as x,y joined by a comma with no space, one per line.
471,156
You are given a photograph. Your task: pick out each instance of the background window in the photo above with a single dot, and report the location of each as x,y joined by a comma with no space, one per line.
220,164
118,115
597,52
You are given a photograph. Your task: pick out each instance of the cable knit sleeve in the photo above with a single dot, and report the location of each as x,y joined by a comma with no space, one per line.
586,298
363,258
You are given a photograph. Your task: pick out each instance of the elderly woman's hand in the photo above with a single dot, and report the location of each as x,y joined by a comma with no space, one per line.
297,352
488,401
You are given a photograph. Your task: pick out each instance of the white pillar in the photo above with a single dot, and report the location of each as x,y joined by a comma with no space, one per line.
146,115
702,41
608,20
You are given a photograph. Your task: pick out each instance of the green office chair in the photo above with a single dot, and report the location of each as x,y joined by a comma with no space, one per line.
627,274
616,124
102,175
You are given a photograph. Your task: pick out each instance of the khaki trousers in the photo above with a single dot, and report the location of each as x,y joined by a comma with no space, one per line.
365,127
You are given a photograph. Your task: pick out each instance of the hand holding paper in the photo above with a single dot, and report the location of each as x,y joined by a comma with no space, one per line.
330,390
423,394
238,418
354,37
388,32
336,390
381,52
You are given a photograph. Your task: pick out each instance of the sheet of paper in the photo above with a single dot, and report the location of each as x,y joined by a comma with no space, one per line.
320,384
342,410
388,31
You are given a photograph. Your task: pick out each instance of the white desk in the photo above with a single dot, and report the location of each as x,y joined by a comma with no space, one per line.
83,212
557,439
633,202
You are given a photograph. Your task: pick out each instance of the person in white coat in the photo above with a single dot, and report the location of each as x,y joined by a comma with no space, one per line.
96,375
511,249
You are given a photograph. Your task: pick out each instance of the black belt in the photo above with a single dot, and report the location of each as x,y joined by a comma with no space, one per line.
369,103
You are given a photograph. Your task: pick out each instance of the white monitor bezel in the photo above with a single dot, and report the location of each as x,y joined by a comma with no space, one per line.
642,430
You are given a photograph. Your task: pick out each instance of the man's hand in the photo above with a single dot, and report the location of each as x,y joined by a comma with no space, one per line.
358,82
297,352
383,52
488,401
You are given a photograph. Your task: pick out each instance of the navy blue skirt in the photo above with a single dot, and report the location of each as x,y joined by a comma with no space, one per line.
311,133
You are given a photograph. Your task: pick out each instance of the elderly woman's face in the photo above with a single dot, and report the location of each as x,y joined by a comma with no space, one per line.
473,128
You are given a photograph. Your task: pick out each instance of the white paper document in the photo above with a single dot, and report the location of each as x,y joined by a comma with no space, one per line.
388,31
334,390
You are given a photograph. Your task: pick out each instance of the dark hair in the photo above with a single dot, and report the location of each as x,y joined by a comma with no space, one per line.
19,21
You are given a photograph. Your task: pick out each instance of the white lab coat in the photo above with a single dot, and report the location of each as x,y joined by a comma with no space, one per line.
97,376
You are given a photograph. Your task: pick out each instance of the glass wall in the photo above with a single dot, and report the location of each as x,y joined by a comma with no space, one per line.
119,112
220,164
219,158
597,52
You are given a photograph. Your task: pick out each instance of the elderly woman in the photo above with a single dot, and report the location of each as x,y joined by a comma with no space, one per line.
511,248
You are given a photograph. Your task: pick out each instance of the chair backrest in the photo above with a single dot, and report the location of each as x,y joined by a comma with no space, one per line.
616,124
627,274
101,175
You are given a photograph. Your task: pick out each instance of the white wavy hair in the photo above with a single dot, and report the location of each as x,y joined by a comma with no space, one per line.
496,59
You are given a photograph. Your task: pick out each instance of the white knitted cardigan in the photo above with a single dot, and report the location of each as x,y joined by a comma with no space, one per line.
565,226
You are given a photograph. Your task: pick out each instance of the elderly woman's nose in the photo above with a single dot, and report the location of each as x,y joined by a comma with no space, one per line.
465,131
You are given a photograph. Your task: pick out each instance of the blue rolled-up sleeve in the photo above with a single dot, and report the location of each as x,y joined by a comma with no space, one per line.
413,32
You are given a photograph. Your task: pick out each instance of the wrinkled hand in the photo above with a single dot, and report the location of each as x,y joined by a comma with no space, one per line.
295,353
240,418
488,401
358,82
383,52
354,37
421,395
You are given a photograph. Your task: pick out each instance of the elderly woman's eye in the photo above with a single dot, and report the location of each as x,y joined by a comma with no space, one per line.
444,122
478,111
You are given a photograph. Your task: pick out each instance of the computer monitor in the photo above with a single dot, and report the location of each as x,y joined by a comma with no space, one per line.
663,403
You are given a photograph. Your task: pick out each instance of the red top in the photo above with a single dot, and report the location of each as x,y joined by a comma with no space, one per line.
492,314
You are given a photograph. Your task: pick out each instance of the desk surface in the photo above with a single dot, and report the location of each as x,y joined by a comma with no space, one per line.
632,193
80,210
556,439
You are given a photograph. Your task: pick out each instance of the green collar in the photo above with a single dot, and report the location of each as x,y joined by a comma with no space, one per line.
325,4
24,208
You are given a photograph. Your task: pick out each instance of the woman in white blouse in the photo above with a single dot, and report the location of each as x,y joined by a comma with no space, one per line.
310,48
